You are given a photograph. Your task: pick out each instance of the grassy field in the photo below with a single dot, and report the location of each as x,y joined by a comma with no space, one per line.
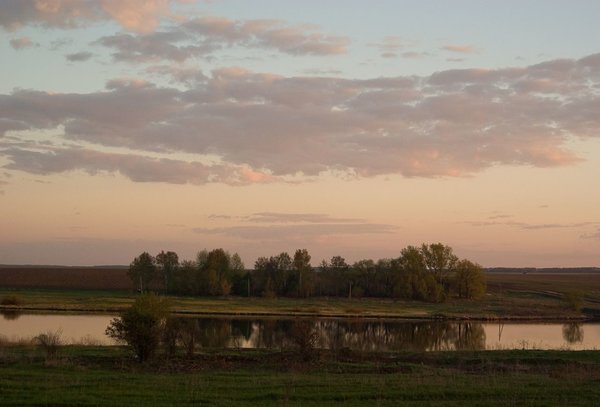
526,296
90,376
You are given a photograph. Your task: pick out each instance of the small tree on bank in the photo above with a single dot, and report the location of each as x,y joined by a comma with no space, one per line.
574,299
142,325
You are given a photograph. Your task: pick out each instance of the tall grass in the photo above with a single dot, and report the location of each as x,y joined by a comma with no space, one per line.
50,342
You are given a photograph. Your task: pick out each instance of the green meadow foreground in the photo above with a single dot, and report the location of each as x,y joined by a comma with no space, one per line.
89,376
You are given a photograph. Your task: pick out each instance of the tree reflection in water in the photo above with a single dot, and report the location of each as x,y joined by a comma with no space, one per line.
572,333
363,335
10,314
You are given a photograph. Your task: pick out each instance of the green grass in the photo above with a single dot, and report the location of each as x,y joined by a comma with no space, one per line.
107,376
534,296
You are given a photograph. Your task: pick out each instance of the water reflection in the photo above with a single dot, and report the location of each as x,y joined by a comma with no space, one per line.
10,314
330,334
84,329
192,334
572,333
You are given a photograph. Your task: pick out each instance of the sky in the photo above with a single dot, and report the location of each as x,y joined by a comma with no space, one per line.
345,127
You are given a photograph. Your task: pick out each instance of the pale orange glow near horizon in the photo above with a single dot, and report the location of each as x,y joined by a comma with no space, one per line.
502,217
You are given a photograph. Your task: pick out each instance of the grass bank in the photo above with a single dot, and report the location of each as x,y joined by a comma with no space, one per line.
509,296
92,376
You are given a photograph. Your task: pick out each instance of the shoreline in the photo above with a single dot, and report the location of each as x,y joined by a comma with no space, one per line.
308,315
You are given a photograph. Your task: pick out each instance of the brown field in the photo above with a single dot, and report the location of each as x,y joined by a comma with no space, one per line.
87,278
549,283
111,278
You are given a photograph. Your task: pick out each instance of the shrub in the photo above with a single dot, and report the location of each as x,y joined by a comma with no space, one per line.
50,342
305,337
189,335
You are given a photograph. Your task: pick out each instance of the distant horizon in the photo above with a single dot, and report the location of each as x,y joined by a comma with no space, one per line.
267,126
125,266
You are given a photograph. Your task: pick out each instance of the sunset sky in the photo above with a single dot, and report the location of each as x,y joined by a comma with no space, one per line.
345,127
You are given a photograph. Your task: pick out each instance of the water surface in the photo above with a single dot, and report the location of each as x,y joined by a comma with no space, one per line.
373,335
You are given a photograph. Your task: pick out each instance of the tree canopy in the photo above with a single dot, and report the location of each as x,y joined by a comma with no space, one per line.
429,272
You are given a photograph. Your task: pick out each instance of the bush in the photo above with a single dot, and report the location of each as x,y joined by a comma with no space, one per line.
142,326
305,337
50,342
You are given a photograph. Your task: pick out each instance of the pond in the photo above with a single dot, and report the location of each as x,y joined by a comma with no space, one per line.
372,335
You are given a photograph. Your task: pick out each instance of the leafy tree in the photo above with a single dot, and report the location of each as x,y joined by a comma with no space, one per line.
365,270
167,265
142,271
574,299
412,278
273,274
240,278
201,258
186,279
334,278
384,281
261,277
428,272
469,280
218,272
237,266
338,262
303,269
282,265
142,325
410,269
214,276
439,260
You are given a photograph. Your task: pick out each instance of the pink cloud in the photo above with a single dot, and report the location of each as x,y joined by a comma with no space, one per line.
265,127
21,43
137,15
462,49
134,15
198,38
136,167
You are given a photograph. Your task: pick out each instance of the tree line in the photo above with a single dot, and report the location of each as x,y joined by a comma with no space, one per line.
430,272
